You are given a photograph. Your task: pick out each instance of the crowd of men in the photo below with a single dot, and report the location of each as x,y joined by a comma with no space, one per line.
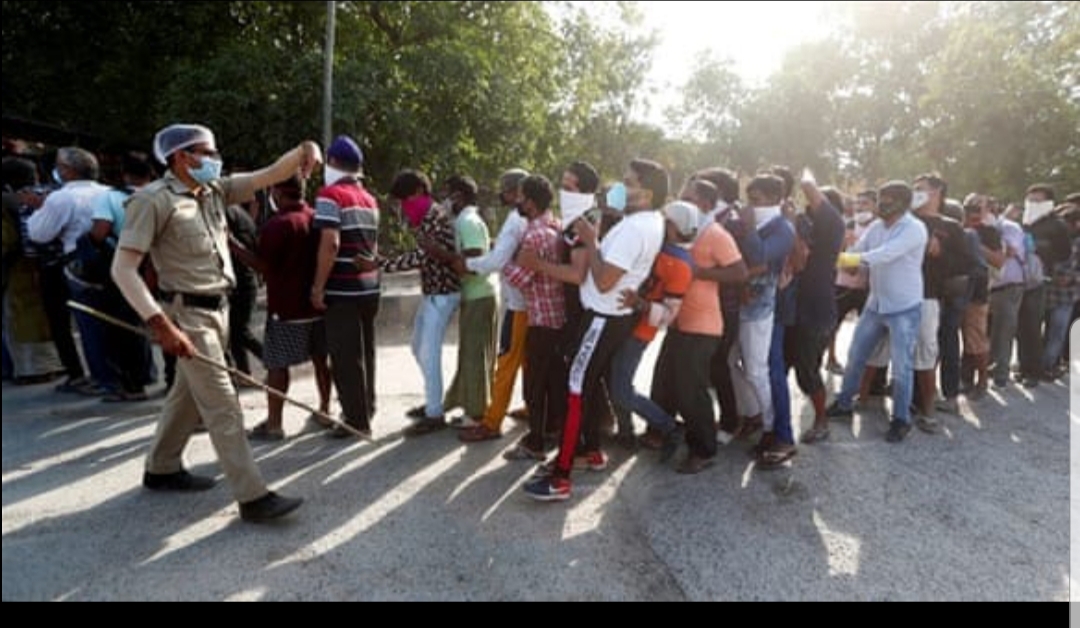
741,286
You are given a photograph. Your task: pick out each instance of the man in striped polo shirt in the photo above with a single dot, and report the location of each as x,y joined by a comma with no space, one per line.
348,217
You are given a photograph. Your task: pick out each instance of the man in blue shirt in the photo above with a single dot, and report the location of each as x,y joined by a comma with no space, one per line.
894,250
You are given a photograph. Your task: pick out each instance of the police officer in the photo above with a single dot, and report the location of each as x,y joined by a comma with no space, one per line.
179,222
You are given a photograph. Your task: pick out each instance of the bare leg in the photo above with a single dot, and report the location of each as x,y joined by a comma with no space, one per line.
869,375
927,392
278,379
324,382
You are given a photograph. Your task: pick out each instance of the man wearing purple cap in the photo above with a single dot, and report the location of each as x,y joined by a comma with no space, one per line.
348,217
179,222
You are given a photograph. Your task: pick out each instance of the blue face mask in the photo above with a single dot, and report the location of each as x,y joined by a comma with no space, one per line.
210,170
56,176
617,197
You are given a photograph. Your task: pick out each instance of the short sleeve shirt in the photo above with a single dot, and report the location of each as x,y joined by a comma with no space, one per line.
700,313
348,208
672,275
185,232
632,246
109,207
473,235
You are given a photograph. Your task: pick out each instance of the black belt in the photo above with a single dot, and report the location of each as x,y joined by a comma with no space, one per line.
197,301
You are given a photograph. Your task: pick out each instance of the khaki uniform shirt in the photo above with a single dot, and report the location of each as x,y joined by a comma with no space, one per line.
185,232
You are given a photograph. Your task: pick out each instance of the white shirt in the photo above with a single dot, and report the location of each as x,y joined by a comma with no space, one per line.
632,246
67,214
506,247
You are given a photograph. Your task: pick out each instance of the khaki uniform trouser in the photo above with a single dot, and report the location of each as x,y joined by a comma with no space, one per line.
207,392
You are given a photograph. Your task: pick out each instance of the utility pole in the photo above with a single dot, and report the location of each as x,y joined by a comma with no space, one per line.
328,74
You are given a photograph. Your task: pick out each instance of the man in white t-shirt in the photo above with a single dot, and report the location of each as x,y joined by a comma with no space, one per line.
622,262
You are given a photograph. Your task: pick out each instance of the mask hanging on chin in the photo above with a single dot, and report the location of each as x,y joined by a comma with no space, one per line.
333,176
765,215
1035,211
574,205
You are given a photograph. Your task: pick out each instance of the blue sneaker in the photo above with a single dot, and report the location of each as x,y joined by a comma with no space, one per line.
549,489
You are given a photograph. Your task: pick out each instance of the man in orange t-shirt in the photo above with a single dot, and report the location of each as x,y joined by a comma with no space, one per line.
681,380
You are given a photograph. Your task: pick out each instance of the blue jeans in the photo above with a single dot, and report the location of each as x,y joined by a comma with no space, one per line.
432,320
781,388
903,332
1057,331
92,335
626,399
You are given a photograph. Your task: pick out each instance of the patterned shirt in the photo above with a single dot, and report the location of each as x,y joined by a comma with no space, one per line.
437,278
544,296
1068,295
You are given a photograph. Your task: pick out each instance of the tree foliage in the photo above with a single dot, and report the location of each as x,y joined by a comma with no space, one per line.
986,92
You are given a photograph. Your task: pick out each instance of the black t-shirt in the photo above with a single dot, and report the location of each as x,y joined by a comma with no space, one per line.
983,237
956,260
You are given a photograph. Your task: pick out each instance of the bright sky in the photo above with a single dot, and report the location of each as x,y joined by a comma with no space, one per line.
756,35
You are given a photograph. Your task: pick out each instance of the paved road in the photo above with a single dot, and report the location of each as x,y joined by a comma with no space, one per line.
979,513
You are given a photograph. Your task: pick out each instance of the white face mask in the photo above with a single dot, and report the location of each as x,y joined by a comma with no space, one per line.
920,200
574,205
765,215
332,176
1034,211
864,218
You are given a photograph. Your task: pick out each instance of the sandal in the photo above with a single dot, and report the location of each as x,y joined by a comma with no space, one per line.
766,444
124,397
522,453
478,435
777,457
425,427
263,434
316,423
816,435
463,423
749,427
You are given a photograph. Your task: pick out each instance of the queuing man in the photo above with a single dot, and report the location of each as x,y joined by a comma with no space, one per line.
65,217
348,218
440,284
623,262
515,324
894,250
285,255
179,222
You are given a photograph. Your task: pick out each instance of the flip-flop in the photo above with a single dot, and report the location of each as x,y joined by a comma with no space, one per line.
263,434
776,458
815,436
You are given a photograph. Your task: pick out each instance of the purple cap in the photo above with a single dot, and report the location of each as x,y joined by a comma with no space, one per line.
346,153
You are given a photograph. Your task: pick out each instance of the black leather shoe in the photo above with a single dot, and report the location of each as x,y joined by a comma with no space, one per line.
269,508
182,482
